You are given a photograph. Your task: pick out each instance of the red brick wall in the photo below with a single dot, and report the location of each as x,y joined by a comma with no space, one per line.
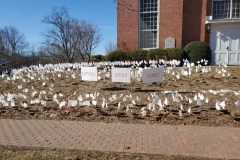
170,25
127,25
209,7
194,27
183,20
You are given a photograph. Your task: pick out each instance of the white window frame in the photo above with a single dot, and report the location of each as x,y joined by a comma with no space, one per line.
139,13
3,63
231,10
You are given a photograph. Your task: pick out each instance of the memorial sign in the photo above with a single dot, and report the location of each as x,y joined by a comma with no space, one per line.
153,75
169,42
121,75
89,73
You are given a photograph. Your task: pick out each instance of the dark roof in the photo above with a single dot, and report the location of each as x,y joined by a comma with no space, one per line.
1,52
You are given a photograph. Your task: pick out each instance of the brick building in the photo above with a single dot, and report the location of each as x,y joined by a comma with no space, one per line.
146,24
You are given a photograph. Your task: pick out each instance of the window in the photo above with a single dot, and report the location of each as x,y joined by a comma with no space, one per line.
226,9
148,24
3,62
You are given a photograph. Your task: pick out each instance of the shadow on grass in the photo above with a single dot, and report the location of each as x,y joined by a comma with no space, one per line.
225,111
114,89
147,90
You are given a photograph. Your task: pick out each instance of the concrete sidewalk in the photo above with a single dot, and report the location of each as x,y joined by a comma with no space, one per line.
212,142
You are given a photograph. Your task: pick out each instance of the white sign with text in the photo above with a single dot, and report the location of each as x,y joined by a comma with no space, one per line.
89,73
153,75
121,75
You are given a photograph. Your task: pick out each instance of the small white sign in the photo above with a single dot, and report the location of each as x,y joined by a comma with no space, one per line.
153,75
89,73
121,75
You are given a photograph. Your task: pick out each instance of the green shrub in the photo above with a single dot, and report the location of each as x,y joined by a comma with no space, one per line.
155,54
175,53
97,58
117,55
138,55
197,50
103,57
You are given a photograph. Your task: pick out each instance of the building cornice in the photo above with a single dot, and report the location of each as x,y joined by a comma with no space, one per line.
222,21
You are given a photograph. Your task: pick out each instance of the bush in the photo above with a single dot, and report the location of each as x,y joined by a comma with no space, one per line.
155,54
175,53
138,55
197,50
117,55
97,58
103,57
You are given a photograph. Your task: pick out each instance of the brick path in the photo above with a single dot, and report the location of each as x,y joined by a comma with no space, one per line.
212,142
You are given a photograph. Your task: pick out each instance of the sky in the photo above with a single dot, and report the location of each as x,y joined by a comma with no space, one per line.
27,16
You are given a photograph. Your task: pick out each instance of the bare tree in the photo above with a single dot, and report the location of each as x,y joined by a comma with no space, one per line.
14,41
68,37
34,52
90,40
45,57
109,47
125,47
80,34
60,37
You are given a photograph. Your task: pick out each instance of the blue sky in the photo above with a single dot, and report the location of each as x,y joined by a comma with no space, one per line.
27,16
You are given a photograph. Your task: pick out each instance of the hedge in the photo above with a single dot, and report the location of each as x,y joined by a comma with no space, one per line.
117,55
97,58
156,54
175,53
152,54
138,55
196,51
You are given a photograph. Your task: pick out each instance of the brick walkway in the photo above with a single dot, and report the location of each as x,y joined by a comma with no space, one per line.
213,142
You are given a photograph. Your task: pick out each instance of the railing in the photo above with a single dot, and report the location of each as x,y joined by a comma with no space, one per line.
30,60
23,62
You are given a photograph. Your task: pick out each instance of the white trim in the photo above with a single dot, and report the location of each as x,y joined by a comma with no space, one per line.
220,26
223,21
147,48
231,9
